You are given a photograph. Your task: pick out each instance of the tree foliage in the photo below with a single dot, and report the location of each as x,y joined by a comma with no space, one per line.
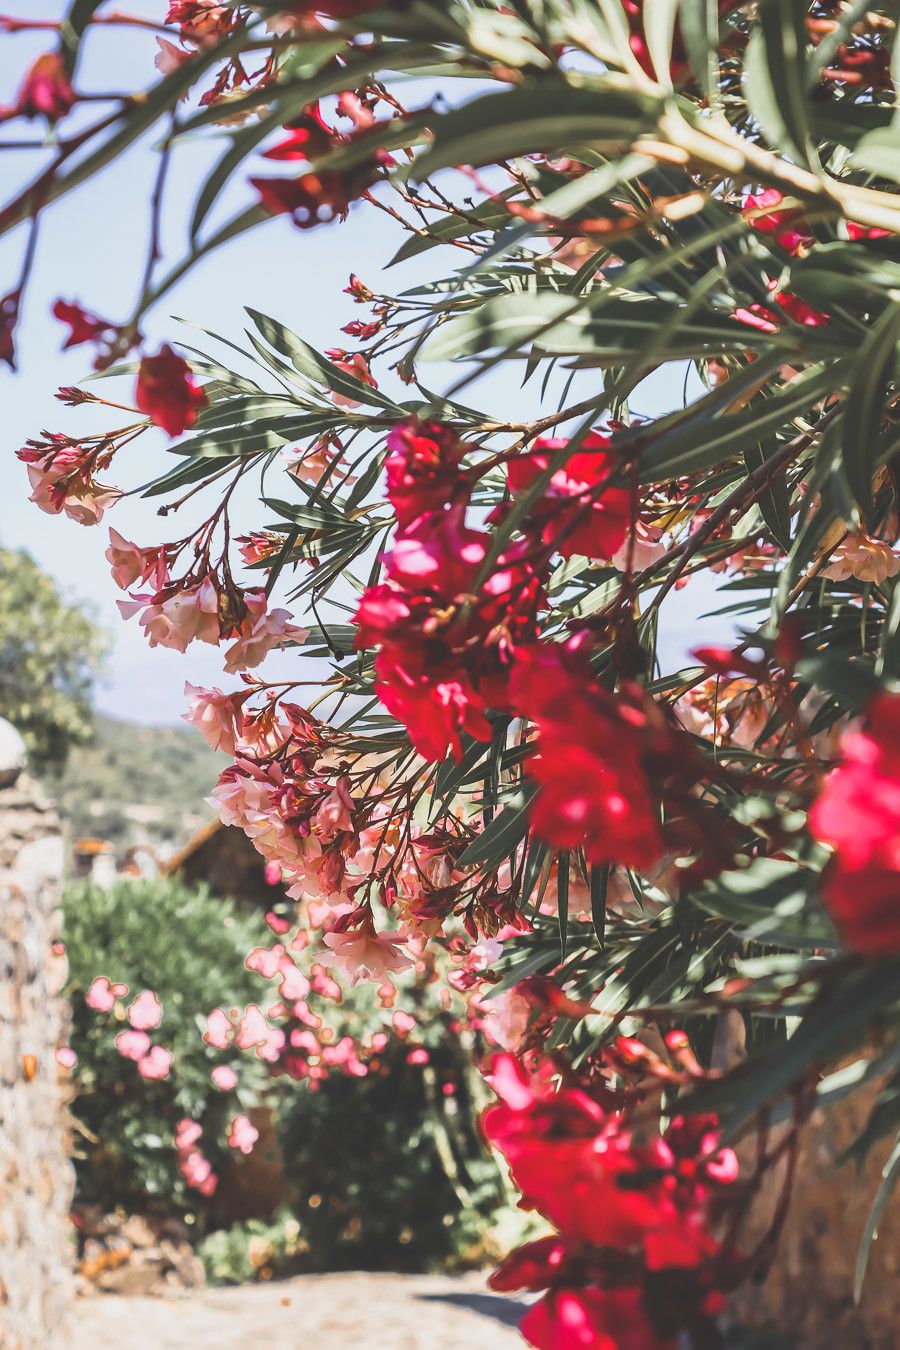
51,651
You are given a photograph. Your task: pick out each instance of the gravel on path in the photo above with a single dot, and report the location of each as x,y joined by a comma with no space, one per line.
312,1312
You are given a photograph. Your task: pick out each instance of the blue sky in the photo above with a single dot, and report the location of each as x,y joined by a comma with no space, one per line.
92,250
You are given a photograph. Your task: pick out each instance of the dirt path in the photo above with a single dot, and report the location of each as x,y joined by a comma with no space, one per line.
313,1312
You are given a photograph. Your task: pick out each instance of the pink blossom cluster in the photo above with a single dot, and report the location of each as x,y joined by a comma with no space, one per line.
144,1014
192,1164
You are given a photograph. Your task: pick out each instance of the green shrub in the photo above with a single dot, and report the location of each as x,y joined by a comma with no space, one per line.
253,1250
189,948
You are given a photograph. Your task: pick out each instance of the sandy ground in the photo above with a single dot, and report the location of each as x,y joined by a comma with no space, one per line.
313,1312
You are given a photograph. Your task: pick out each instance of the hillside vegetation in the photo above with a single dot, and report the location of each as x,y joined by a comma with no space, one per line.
135,784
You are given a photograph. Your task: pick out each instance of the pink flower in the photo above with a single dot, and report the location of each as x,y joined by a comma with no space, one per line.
66,1057
187,1132
131,564
253,1029
294,983
218,1030
145,1012
364,954
169,58
61,482
275,921
335,813
100,996
403,1023
863,558
187,614
243,1134
264,960
216,716
156,1064
646,549
133,1044
260,632
224,1077
355,365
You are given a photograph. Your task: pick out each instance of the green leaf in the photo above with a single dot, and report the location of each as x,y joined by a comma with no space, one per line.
539,114
73,27
872,372
599,887
889,1177
562,901
775,78
317,368
775,502
498,839
699,23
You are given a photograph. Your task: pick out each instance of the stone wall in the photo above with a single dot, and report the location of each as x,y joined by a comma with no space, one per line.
36,1176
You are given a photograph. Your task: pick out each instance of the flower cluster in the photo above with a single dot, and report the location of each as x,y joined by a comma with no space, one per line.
633,1261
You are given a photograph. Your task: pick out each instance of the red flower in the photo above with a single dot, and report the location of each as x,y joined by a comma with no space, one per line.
46,91
308,138
858,814
435,705
788,227
592,1319
595,783
312,199
167,392
578,514
422,469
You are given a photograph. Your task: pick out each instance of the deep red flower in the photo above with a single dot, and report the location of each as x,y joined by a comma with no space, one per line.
788,227
167,393
83,326
46,91
592,1319
422,469
535,1265
858,814
578,514
595,786
435,705
855,231
308,138
312,199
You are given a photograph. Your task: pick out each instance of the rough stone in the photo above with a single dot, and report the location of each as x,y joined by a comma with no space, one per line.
36,1177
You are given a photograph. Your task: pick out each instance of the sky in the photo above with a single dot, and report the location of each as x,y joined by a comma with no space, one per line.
92,248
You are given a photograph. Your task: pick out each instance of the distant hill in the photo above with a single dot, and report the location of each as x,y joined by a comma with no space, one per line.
135,784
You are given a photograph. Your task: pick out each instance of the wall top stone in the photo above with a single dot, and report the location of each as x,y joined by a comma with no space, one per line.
13,756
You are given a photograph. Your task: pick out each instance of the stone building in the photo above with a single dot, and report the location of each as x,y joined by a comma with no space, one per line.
36,1177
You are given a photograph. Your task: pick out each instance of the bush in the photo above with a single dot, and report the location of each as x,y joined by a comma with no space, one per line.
189,948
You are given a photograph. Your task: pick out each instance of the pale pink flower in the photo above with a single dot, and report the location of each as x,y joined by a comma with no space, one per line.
130,564
403,1022
253,1029
418,1056
272,874
132,1044
294,983
646,549
79,496
145,1012
261,631
310,466
186,615
243,1134
365,955
335,813
276,922
217,716
66,1057
505,1019
358,366
863,558
100,996
224,1077
265,960
218,1029
169,58
155,1064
